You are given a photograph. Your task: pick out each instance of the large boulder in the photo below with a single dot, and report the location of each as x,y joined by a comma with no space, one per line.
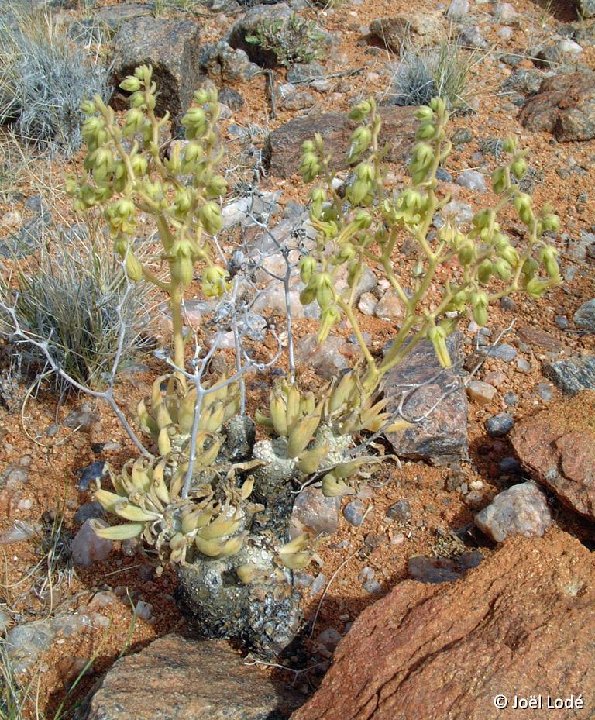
564,107
283,150
519,625
188,680
558,448
172,47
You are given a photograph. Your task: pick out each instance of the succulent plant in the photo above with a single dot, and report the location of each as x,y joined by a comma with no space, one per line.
368,225
212,521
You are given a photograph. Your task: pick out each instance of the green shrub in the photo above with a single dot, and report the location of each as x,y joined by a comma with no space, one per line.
292,39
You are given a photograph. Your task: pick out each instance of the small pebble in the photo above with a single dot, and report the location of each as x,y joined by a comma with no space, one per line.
472,180
562,322
510,399
481,392
400,511
143,610
507,303
318,584
504,351
523,365
499,425
354,512
398,539
87,547
93,472
545,391
522,509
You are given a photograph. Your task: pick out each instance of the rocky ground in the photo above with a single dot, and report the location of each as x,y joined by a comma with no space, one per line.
461,573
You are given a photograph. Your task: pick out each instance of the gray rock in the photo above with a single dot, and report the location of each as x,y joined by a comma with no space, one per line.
545,391
503,351
92,473
584,317
564,107
226,64
25,643
441,437
314,513
573,375
87,547
20,531
304,72
283,148
171,46
472,180
460,212
525,82
231,98
499,425
326,360
522,509
462,136
443,175
186,679
354,512
457,10
264,615
400,511
82,418
330,638
114,15
28,239
511,399
481,392
442,569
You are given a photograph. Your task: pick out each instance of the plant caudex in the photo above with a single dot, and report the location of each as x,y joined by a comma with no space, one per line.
369,224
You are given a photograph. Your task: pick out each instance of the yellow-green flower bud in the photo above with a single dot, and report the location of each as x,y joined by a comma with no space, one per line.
325,294
536,287
130,84
346,253
424,113
438,105
139,165
360,141
362,219
522,203
550,222
210,217
308,267
502,269
481,220
134,121
548,257
479,304
511,256
530,268
195,122
518,167
423,154
134,269
499,180
330,316
216,186
467,253
361,111
357,191
213,281
308,295
510,144
425,132
309,167
484,271
437,336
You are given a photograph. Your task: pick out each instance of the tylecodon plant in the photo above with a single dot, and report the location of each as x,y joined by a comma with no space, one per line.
186,497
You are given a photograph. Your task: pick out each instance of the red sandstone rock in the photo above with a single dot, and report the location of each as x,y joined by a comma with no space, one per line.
519,624
558,448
